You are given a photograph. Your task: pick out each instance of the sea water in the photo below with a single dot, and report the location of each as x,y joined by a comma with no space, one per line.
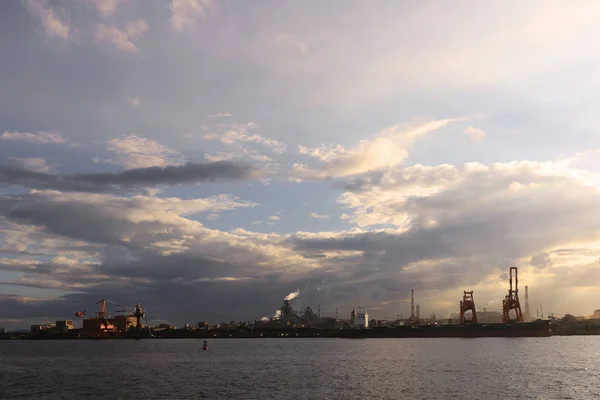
489,368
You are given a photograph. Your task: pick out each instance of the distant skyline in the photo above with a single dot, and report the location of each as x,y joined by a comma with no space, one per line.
207,158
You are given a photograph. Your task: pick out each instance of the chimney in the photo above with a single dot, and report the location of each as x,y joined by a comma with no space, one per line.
412,303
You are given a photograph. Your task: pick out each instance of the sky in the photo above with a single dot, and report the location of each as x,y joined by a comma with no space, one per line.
208,157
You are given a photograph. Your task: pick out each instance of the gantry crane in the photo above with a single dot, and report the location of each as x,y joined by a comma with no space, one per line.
511,301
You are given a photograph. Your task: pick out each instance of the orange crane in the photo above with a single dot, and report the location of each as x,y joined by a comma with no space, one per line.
468,304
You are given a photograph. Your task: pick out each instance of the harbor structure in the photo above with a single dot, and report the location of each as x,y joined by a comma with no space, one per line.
467,304
511,307
64,326
361,319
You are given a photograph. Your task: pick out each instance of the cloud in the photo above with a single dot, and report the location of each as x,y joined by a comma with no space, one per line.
274,217
234,133
219,156
219,115
35,164
139,236
137,221
136,29
122,39
130,180
503,203
541,260
135,101
388,149
319,216
438,227
55,27
42,137
243,154
185,13
137,152
464,227
402,197
475,134
106,7
292,41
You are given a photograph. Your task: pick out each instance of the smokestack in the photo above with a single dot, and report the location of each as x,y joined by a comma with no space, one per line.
527,314
418,312
412,303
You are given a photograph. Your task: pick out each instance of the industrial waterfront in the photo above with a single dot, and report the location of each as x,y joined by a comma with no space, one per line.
132,323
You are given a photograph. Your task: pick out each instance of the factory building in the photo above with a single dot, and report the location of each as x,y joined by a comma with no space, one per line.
160,327
93,325
120,323
362,319
64,326
123,323
41,328
359,319
328,323
203,325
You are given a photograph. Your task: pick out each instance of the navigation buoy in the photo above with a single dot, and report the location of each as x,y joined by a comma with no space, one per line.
205,346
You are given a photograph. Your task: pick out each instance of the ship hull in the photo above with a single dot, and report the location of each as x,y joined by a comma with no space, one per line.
524,329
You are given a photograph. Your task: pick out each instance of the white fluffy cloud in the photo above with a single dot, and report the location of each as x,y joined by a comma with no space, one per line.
185,13
388,149
42,137
236,133
106,7
420,194
122,39
475,134
134,101
55,26
292,41
319,216
137,152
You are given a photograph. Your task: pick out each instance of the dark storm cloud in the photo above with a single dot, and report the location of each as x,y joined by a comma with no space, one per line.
80,221
16,307
189,173
169,287
165,301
